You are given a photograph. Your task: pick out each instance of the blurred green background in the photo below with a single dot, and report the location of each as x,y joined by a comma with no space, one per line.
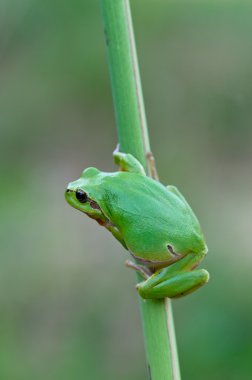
68,307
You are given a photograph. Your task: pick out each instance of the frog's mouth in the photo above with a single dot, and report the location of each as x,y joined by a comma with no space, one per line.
104,221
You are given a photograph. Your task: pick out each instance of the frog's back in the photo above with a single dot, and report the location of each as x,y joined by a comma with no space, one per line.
149,216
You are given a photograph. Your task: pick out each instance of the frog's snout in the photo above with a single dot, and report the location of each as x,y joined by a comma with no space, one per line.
68,194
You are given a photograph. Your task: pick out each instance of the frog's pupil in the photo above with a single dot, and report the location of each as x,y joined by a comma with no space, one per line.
81,195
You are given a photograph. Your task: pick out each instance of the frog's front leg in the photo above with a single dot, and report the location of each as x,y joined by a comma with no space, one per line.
127,162
145,272
116,233
176,280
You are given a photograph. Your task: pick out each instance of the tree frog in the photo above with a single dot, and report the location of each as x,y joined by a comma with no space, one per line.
153,222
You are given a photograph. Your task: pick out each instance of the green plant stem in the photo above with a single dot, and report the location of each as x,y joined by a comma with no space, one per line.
159,334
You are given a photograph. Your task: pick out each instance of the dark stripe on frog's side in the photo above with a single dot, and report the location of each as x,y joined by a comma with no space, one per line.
94,205
157,263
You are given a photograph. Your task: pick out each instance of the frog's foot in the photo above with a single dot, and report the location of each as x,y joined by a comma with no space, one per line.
127,162
176,280
176,286
145,272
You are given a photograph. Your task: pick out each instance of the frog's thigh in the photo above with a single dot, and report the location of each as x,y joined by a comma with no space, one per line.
128,163
174,190
177,286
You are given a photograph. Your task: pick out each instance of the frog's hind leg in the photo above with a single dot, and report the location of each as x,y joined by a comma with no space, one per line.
176,286
176,280
127,162
174,190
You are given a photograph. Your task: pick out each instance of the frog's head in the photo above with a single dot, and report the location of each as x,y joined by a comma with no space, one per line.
79,195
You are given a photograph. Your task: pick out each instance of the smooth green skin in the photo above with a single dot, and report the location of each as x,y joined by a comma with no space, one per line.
153,222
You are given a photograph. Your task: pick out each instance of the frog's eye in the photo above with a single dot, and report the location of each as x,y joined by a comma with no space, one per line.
81,195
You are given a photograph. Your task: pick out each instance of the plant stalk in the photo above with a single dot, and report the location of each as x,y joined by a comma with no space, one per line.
157,319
